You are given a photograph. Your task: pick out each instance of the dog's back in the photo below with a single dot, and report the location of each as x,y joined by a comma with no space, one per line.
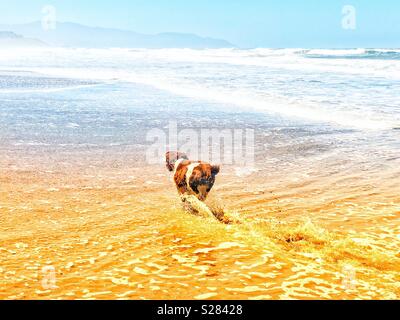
192,177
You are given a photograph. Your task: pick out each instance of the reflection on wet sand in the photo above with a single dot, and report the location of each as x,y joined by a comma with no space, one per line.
118,232
83,215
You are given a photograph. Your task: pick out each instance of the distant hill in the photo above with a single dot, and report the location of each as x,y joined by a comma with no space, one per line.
10,39
9,35
67,34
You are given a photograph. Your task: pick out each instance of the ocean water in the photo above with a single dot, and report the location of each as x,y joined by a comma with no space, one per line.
299,101
350,88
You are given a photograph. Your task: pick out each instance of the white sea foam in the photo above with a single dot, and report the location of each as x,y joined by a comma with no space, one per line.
336,52
358,93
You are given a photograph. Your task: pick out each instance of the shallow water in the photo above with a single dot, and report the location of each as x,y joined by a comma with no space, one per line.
119,232
319,211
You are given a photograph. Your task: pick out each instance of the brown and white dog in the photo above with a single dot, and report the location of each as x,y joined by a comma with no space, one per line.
191,177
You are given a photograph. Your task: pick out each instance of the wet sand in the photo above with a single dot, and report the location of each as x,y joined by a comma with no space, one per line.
83,216
114,230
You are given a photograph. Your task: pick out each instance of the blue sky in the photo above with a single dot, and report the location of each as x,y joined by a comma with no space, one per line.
250,23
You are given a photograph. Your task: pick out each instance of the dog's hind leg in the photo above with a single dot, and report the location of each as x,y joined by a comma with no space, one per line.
195,206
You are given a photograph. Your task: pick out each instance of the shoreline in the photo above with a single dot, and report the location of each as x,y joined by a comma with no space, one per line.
120,233
320,209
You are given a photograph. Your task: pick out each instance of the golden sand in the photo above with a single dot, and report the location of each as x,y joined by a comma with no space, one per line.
119,232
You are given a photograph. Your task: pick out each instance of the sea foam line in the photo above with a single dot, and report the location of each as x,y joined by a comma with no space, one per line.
245,100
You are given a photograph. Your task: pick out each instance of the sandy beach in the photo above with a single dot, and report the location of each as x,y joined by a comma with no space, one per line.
113,229
84,216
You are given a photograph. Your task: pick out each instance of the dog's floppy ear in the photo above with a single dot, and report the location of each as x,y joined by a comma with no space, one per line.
215,169
171,157
181,155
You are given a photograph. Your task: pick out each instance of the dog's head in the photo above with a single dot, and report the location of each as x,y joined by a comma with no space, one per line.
201,178
171,157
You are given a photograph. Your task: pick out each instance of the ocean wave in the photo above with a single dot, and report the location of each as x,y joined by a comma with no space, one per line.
387,54
273,104
353,93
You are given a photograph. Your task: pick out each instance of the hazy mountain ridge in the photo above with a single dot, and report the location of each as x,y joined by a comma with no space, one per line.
68,34
12,39
9,35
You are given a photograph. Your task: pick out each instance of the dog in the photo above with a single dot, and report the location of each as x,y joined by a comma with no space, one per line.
195,178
